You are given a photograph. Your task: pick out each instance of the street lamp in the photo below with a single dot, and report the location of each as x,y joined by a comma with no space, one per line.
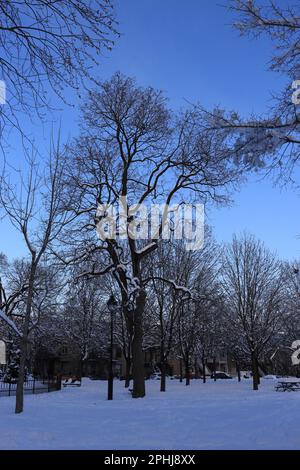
111,305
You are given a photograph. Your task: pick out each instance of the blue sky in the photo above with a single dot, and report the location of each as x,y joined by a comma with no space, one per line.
188,49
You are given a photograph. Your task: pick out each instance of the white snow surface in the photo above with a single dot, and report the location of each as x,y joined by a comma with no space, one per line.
216,415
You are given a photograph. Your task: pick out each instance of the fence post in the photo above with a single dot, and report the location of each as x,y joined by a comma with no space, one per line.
9,389
33,386
48,384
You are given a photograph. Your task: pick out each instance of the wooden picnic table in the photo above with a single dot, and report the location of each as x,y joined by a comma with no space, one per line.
71,381
288,386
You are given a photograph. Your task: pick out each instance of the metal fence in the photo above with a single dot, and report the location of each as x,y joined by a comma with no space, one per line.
31,386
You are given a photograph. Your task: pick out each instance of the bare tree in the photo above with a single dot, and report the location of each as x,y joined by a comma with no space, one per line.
197,331
252,283
33,207
210,339
291,314
168,268
134,147
235,343
49,45
123,337
83,316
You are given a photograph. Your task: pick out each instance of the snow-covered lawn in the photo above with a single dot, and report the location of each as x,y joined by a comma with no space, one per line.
221,415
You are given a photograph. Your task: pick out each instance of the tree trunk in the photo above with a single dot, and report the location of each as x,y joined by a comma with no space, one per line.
21,378
238,372
257,371
203,371
163,377
127,372
254,371
187,372
24,343
138,371
214,367
180,370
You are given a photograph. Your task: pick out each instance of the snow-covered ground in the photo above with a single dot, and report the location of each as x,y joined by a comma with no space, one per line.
221,415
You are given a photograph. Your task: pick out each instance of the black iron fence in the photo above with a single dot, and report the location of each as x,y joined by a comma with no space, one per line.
31,386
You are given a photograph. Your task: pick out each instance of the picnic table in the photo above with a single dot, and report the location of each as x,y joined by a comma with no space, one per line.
288,386
71,381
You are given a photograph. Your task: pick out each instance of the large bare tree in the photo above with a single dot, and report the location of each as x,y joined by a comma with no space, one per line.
134,147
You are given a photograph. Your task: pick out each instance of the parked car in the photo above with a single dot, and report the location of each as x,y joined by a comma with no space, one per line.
220,375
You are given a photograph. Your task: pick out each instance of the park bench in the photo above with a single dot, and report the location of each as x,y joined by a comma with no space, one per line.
71,381
288,386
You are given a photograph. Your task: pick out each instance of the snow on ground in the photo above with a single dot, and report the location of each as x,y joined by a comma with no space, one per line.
216,415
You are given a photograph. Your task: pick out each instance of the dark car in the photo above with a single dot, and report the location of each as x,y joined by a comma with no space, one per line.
221,375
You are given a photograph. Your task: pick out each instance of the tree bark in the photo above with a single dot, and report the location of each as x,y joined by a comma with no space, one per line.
214,367
21,378
187,372
163,377
238,372
180,370
254,371
257,371
138,371
203,371
24,343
